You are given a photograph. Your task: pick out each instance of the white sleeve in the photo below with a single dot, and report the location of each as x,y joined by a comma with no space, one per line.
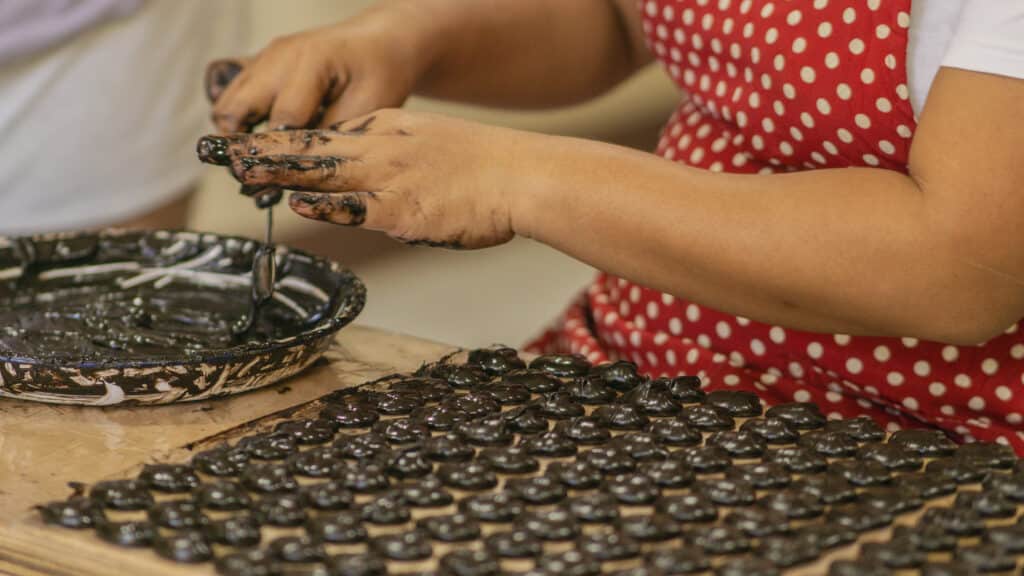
989,38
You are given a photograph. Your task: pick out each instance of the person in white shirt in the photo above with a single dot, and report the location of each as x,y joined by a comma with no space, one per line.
100,105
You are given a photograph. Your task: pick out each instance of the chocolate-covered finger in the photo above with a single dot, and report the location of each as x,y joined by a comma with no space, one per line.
244,103
294,172
214,149
348,208
219,74
218,150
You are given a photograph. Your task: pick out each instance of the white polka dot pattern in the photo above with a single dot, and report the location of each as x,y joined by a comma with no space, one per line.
784,86
784,65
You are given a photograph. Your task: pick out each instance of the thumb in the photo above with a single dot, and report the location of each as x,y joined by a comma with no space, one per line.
220,73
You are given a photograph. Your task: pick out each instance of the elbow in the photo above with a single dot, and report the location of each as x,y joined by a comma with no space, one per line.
970,319
969,285
971,335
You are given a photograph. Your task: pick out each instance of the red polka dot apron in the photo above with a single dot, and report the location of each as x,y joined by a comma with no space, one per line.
784,86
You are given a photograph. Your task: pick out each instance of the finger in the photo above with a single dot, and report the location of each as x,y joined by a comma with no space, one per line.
219,75
299,101
296,172
347,209
220,150
357,100
245,102
357,208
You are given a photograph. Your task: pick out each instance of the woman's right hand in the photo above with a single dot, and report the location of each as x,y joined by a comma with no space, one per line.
326,75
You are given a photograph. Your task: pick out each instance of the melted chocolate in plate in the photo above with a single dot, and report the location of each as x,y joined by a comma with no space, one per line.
146,317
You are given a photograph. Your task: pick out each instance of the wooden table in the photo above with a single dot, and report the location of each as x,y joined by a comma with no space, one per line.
42,447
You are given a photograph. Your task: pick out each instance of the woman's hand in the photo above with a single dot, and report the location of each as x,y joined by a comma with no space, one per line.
422,179
512,53
322,76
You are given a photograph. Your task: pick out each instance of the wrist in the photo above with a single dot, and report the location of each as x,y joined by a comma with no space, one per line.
541,184
408,29
422,30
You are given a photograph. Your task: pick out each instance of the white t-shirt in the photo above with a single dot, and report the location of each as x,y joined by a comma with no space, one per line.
30,26
980,35
102,127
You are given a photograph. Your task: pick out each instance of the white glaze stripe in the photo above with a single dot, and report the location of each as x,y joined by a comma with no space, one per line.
303,287
290,303
175,248
154,273
10,273
212,279
88,270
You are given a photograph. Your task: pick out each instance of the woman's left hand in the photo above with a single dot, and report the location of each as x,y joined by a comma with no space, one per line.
422,179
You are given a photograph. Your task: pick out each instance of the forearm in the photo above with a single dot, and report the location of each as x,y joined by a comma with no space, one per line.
861,251
522,53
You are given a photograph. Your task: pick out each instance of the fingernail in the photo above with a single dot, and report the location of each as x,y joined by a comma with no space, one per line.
219,75
213,150
226,73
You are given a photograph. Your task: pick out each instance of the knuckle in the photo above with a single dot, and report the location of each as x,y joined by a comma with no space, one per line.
238,170
402,229
391,115
323,77
279,42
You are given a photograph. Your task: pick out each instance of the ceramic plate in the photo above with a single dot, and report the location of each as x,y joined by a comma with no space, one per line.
120,317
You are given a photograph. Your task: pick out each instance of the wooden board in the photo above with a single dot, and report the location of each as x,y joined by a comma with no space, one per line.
42,447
